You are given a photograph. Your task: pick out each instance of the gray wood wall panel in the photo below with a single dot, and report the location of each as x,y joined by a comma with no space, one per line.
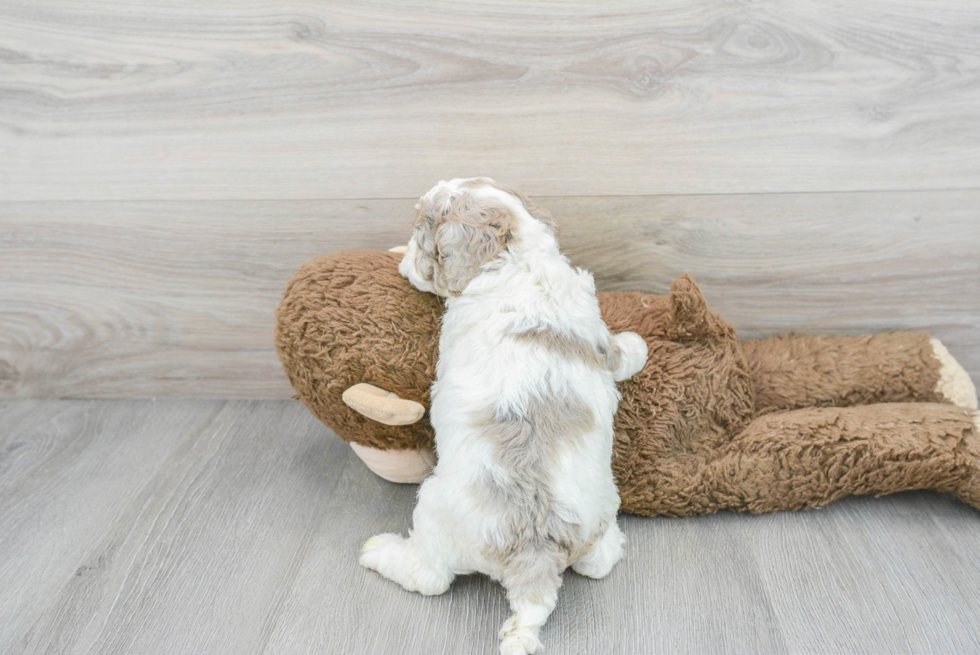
139,299
169,99
153,298
233,528
166,166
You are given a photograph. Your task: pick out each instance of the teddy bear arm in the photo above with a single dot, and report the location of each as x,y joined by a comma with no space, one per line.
381,405
806,458
792,372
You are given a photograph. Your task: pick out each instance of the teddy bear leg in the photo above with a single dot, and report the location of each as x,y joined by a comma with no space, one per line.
793,372
807,458
603,555
954,382
969,492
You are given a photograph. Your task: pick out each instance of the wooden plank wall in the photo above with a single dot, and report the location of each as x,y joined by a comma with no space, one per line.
166,165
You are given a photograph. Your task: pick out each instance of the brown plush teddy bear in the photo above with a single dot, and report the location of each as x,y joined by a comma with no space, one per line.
711,423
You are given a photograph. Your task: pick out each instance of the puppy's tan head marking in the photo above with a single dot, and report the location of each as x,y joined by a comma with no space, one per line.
457,232
463,225
536,211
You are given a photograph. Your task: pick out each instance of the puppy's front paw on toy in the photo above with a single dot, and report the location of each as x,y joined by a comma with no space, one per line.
632,355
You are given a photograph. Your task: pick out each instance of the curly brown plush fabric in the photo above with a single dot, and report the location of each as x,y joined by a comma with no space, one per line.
350,317
710,423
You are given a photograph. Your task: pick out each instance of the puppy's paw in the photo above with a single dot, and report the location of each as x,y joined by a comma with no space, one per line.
380,551
605,554
429,582
391,555
515,640
593,568
518,645
632,355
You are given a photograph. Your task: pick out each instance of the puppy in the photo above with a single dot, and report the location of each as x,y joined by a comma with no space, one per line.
522,408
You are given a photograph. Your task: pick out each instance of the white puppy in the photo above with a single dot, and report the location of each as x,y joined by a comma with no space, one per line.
522,408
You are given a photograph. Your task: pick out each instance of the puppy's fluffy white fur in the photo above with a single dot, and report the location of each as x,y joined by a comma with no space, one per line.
522,408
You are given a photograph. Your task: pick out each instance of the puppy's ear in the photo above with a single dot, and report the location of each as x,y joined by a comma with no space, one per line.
467,241
543,215
535,210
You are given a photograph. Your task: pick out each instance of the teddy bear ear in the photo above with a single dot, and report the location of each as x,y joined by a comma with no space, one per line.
690,318
382,406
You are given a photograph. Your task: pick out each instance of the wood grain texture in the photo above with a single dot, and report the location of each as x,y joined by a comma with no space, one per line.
809,263
222,526
151,299
234,527
170,99
141,299
923,579
68,475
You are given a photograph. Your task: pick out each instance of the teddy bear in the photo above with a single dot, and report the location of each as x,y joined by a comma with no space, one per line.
711,423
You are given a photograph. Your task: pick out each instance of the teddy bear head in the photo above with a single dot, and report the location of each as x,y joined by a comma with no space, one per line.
350,324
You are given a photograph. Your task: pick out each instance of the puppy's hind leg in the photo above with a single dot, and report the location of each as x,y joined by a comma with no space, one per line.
603,555
420,562
532,581
399,560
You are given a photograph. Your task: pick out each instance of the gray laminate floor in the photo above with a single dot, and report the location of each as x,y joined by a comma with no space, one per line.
233,527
